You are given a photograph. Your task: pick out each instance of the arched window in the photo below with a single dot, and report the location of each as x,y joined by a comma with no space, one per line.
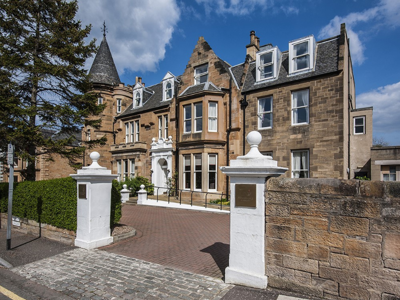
137,99
168,91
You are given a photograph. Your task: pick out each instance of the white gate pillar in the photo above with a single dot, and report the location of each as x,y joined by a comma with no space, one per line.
247,229
94,185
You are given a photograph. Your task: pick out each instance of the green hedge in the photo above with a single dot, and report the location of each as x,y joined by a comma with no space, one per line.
53,202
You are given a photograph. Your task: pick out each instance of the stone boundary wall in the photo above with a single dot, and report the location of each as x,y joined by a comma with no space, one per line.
331,238
47,231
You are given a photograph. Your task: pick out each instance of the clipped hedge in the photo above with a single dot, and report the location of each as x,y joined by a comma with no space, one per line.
53,202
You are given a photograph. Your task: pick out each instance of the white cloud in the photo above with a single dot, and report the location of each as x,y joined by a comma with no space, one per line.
386,103
385,14
138,31
235,7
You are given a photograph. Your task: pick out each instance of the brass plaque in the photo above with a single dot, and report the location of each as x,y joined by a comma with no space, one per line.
246,195
82,191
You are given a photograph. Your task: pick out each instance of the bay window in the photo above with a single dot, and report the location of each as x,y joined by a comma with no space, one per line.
186,172
212,172
212,116
197,172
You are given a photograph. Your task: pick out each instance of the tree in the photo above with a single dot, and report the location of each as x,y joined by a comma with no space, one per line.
43,80
379,142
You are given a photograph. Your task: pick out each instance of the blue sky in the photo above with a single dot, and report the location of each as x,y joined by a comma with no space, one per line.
149,38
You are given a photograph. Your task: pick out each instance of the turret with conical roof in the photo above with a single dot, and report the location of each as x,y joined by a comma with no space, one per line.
103,69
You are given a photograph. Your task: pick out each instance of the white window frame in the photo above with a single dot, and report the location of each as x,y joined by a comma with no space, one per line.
197,173
298,166
132,168
119,170
212,119
137,100
187,172
167,89
100,100
356,126
132,132
295,109
261,114
88,133
126,132
275,55
197,119
212,171
119,105
198,76
137,131
165,126
187,120
160,127
310,40
126,173
392,174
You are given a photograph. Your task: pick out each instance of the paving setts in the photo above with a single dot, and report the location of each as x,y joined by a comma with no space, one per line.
96,274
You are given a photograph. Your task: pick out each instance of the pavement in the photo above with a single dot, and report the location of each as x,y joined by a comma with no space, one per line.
176,254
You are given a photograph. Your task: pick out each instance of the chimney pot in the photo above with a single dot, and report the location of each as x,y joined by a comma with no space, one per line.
252,37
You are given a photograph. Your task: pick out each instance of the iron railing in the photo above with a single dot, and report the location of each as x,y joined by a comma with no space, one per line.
177,194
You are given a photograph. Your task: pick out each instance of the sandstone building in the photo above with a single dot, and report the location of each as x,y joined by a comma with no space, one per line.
302,101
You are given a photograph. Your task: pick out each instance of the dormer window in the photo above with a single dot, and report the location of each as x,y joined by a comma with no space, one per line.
201,74
168,90
267,63
301,54
137,99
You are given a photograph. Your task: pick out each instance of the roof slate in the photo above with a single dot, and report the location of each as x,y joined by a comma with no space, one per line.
103,69
327,57
237,72
152,99
197,88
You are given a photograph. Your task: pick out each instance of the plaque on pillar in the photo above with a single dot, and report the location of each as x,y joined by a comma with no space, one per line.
82,191
246,195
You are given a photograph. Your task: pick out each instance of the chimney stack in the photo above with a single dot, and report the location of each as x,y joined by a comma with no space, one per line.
138,79
254,46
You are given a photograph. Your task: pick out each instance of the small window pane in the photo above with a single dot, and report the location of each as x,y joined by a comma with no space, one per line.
301,49
201,69
266,58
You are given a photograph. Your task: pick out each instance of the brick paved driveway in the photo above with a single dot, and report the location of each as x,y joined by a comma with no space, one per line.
193,241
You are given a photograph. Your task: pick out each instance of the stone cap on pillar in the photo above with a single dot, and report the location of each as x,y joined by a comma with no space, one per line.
94,169
254,164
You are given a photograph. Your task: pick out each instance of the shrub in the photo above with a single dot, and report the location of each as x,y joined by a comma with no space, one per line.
115,203
134,184
53,202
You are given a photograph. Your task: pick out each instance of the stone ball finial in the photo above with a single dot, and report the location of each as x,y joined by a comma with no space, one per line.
254,138
94,156
142,186
153,140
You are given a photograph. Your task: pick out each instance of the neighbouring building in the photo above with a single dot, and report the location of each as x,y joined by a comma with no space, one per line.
302,101
385,163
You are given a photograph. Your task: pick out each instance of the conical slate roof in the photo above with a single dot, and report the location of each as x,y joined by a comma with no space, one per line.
103,69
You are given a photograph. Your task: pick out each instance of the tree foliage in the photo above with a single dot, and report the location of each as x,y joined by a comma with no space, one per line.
379,142
43,99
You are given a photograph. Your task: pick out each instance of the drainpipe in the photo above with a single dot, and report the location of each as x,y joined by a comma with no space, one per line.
350,107
177,136
114,121
228,134
243,105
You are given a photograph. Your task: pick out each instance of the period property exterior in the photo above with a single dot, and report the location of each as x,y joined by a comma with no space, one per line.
301,99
